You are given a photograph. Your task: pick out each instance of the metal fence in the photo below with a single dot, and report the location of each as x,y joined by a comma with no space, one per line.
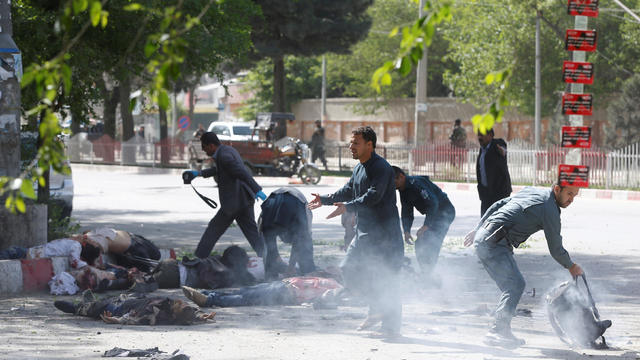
441,161
527,165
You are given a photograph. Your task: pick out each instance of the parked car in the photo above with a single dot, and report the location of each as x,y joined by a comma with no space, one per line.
61,190
231,131
60,185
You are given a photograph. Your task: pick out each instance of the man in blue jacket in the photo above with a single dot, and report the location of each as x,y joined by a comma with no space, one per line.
236,189
371,266
285,215
420,193
507,224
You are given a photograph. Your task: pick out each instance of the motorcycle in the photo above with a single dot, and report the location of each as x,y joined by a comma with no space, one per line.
293,158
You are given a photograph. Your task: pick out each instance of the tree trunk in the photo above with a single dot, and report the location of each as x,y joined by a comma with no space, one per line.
111,99
125,110
279,104
77,118
192,101
164,139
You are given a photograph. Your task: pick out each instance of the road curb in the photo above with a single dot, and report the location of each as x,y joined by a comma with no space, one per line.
28,275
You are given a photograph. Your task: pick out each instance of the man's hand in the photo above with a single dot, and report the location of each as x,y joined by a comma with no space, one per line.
340,209
189,175
575,270
468,239
502,150
421,231
315,203
261,195
108,318
408,239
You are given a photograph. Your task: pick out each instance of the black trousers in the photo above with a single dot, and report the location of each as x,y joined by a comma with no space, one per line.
219,224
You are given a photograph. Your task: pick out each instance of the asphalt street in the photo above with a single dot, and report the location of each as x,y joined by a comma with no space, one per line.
438,323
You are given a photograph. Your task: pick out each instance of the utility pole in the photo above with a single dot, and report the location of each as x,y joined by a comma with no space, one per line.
538,101
538,104
30,228
323,92
421,92
9,96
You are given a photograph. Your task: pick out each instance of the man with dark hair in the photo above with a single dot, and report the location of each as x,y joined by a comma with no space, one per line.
494,182
285,215
458,136
374,258
507,224
127,249
420,193
237,190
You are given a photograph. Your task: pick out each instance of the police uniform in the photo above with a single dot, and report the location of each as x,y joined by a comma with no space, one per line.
431,201
507,224
285,215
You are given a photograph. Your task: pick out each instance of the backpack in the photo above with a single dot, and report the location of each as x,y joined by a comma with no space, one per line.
574,317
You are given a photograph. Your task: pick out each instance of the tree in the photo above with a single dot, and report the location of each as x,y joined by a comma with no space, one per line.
623,115
306,28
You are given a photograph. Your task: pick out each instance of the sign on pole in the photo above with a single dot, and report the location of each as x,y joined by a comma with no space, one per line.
577,72
580,40
573,175
577,104
583,8
576,137
184,122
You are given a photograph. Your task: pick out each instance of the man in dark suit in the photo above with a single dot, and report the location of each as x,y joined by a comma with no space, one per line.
237,190
494,182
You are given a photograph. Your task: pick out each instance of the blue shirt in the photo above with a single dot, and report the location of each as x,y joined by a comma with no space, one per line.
525,213
424,195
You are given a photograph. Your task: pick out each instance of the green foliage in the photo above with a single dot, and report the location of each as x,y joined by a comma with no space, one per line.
303,80
623,115
58,226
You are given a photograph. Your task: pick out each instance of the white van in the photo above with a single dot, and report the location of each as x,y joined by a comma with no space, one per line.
231,131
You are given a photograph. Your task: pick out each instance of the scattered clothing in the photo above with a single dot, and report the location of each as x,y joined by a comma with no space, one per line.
63,284
152,354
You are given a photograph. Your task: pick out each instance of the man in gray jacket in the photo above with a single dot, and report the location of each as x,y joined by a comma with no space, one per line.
507,224
237,191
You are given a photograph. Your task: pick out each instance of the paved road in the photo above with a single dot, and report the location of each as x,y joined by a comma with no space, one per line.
438,323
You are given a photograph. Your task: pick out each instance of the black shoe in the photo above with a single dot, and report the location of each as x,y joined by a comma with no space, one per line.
65,306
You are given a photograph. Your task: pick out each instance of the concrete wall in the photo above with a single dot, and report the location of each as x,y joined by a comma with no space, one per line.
26,230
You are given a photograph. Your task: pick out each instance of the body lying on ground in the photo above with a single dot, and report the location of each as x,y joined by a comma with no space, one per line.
127,249
213,272
136,309
288,291
79,252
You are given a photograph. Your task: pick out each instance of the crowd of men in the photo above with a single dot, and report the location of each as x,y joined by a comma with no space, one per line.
373,258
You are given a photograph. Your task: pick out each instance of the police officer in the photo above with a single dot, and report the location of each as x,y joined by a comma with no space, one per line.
507,224
285,215
420,193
